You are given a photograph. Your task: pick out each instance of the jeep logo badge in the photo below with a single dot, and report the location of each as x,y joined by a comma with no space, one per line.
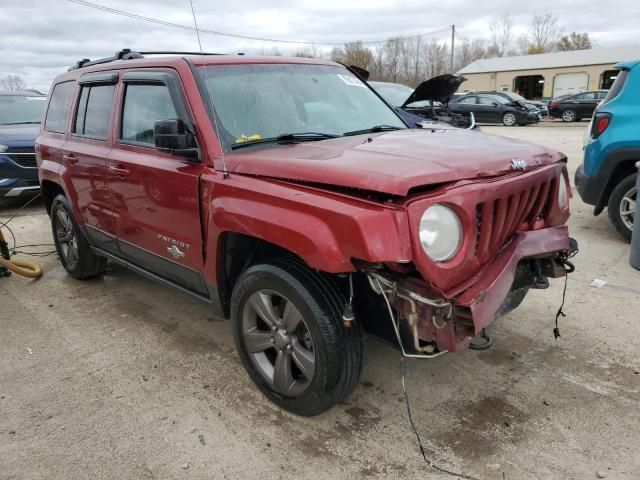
518,164
175,251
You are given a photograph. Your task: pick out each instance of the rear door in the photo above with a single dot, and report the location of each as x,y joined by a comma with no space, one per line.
156,197
86,152
586,104
464,105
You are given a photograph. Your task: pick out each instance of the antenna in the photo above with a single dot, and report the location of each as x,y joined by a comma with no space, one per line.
225,173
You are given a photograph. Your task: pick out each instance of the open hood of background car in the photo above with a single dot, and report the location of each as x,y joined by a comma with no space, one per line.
438,89
392,162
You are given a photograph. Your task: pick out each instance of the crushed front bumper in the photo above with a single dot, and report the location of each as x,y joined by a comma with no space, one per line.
449,323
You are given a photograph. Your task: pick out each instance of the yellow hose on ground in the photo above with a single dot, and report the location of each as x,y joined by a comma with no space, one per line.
24,268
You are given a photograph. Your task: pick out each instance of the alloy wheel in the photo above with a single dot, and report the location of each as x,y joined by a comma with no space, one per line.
67,240
509,119
568,116
278,342
628,207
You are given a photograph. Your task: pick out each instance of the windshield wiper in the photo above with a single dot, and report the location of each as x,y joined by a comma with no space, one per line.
286,138
376,129
20,123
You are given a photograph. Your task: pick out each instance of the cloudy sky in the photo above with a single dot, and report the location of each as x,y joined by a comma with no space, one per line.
40,38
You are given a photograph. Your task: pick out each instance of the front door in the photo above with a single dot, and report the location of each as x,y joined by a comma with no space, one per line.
155,192
488,109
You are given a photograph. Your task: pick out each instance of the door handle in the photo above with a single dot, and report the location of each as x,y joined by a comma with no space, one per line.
70,158
118,171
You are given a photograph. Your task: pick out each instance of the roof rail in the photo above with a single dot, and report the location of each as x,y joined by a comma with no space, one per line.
128,54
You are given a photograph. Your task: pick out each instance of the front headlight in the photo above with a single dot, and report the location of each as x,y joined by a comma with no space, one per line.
440,232
563,195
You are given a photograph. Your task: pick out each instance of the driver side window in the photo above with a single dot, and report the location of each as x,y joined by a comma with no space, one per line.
144,104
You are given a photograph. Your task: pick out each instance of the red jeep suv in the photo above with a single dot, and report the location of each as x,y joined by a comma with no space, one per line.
289,196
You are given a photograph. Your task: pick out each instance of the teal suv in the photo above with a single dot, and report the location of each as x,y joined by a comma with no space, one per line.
607,176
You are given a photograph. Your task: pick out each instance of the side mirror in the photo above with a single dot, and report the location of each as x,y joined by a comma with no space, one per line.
172,135
494,104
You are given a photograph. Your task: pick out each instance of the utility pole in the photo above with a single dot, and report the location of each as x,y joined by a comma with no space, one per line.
453,41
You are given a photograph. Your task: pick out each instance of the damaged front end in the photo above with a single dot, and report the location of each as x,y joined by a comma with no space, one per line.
515,239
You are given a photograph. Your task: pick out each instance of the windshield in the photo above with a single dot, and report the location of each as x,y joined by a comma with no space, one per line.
394,93
16,109
515,96
261,101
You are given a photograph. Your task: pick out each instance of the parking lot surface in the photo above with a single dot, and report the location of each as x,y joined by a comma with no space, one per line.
119,377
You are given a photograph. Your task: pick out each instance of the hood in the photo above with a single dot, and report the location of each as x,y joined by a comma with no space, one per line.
18,135
392,162
438,89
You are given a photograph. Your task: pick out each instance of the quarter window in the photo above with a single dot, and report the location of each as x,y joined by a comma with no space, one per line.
468,100
59,106
94,109
143,106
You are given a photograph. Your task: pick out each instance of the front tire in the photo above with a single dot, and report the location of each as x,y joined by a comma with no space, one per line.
74,252
569,115
289,333
509,119
622,206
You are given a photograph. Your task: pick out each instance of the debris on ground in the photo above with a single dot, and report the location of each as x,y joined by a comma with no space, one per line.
184,466
601,474
598,283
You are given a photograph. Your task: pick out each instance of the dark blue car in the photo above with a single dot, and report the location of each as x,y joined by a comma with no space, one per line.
20,115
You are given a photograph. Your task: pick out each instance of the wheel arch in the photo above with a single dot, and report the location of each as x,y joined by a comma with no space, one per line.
49,191
619,165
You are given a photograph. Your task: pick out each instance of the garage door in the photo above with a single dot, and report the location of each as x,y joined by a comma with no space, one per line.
570,83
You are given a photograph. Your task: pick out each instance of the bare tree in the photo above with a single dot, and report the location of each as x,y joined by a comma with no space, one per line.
436,58
469,50
311,51
574,41
355,53
393,53
12,82
501,34
544,32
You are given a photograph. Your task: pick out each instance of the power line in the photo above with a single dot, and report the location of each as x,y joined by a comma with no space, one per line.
158,21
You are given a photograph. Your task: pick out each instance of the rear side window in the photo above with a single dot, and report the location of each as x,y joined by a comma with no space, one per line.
616,88
94,109
59,106
468,100
143,106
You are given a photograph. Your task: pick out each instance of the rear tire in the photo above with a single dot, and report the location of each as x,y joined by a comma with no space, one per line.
621,206
74,252
569,115
509,119
321,360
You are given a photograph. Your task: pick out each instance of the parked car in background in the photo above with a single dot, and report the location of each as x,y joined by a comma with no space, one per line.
607,177
494,109
429,100
301,207
574,108
540,106
20,114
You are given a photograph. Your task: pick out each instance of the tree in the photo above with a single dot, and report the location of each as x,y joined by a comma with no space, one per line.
501,34
436,58
543,33
355,53
574,41
311,51
469,50
12,82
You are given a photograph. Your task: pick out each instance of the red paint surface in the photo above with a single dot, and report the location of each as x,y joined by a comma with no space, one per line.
276,194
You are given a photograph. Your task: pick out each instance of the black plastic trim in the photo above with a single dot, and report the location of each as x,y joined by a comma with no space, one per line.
108,78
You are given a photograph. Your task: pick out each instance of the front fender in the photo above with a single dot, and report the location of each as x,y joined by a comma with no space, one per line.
325,229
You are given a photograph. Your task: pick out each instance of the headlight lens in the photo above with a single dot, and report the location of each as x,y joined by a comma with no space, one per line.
440,232
563,195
